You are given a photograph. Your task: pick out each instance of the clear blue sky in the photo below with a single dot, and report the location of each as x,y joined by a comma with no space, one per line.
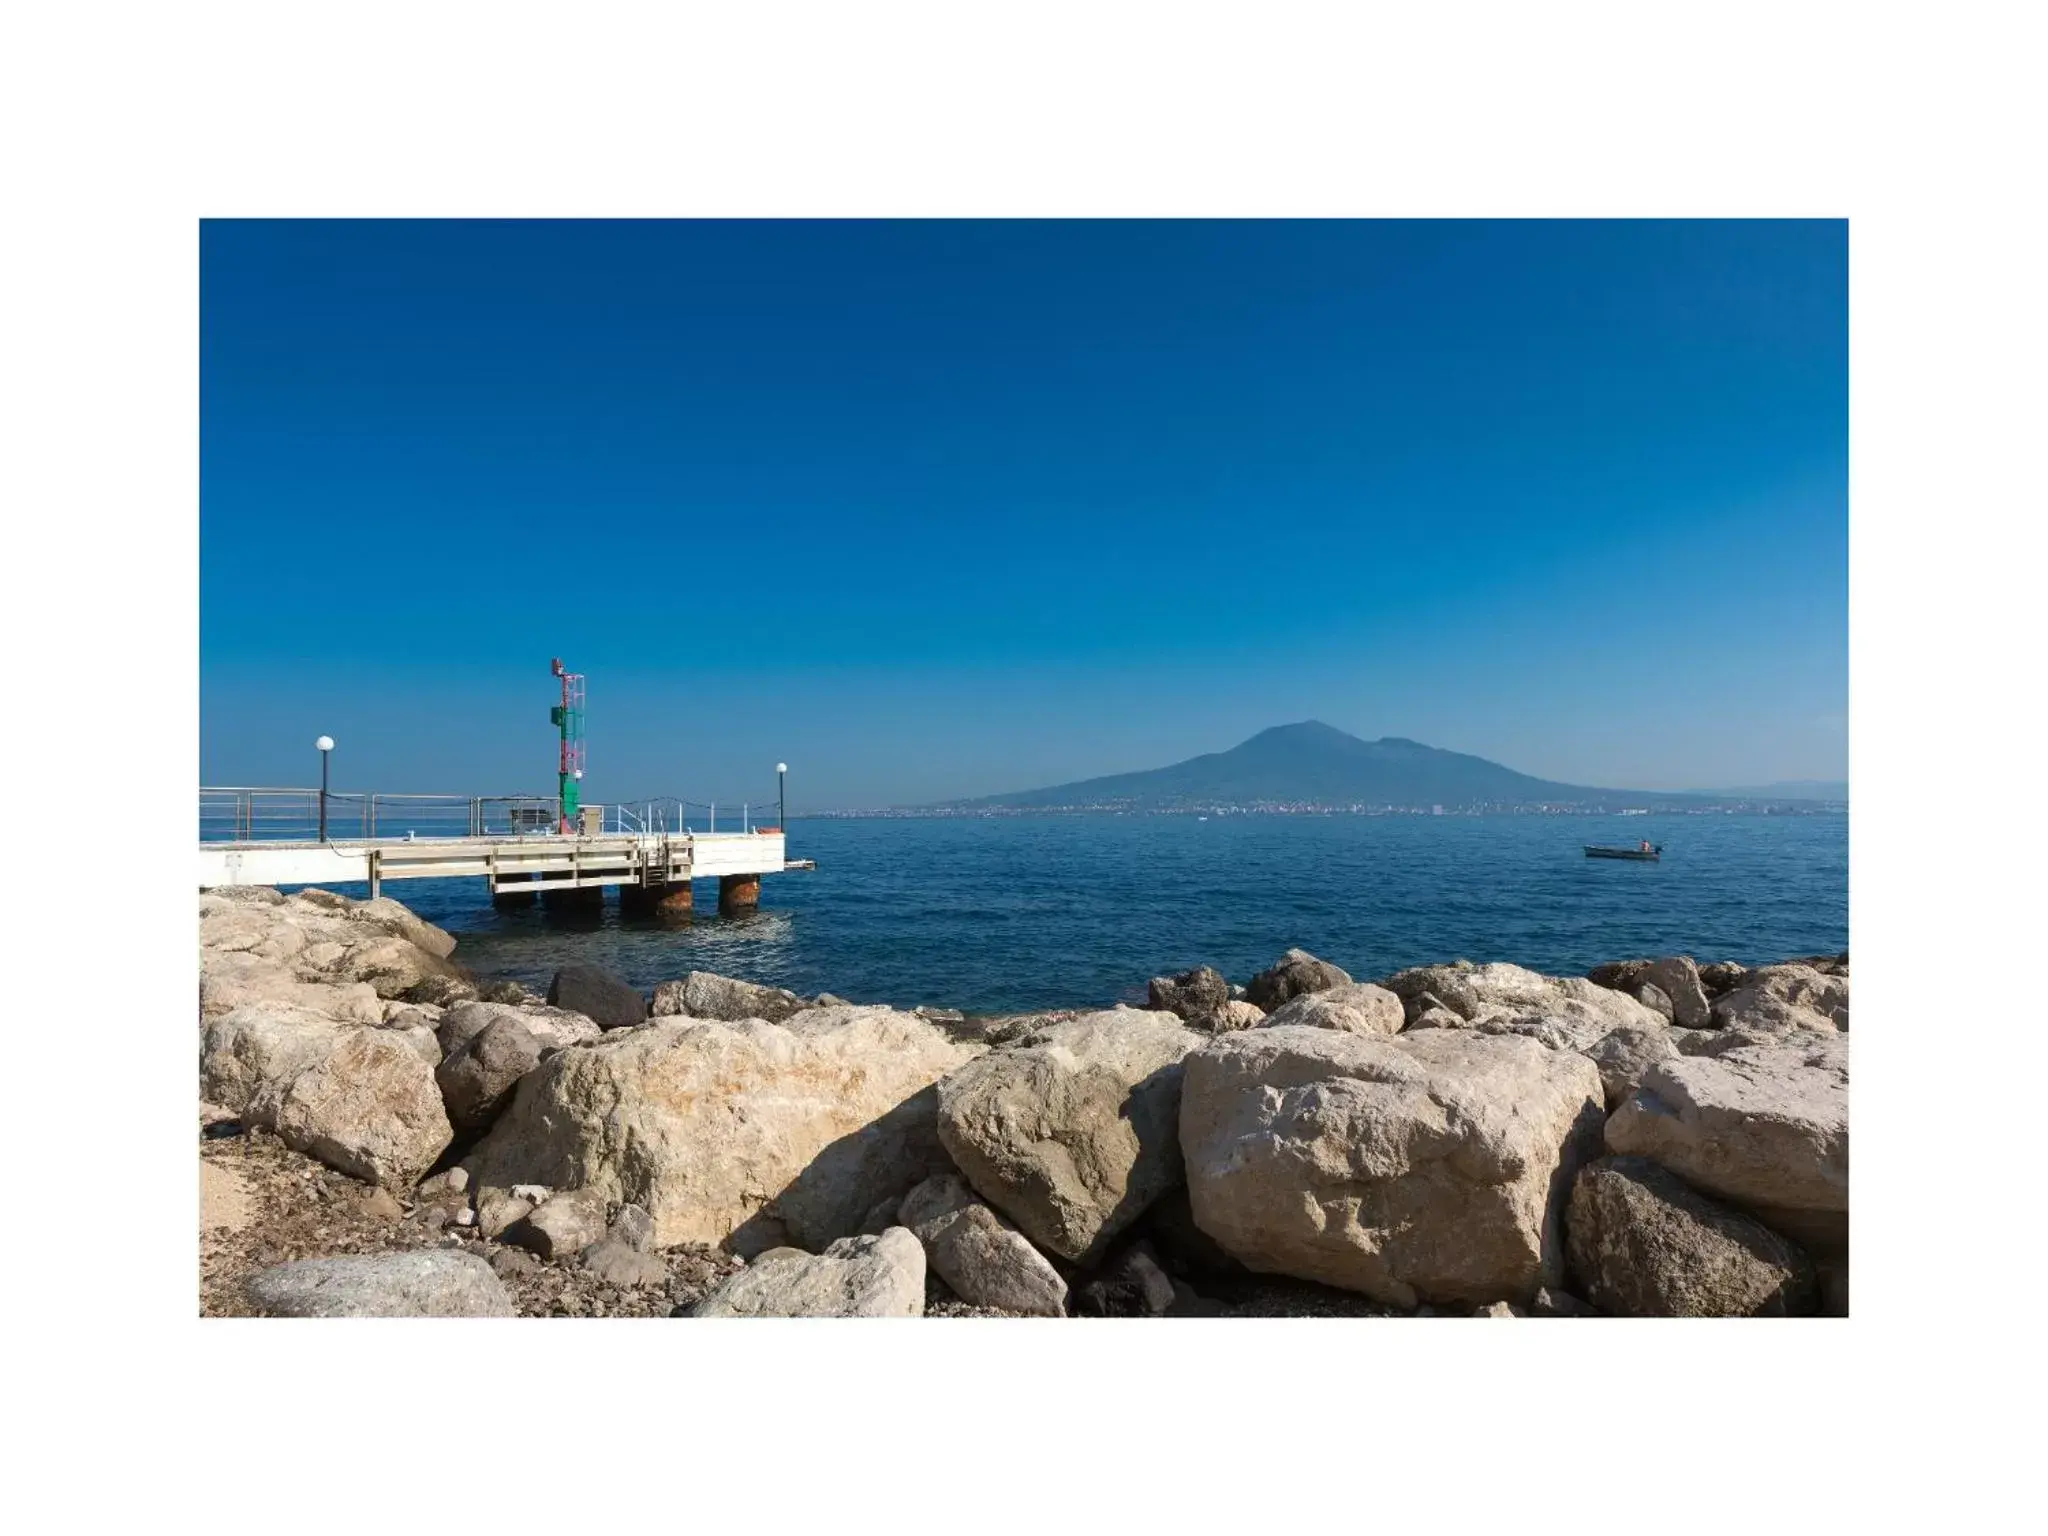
938,509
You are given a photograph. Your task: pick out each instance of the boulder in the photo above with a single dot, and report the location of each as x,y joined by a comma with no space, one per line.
1642,1244
366,1104
261,933
1427,1013
1795,984
1721,976
1623,1055
230,980
1565,1013
256,1044
514,1263
881,1276
1764,1123
707,1124
1759,1014
1420,1166
1422,987
498,1211
415,1016
1293,974
1678,978
1776,999
986,1261
617,1262
701,995
562,1226
431,1282
1133,1286
1619,975
1656,1000
393,966
1238,1014
597,994
477,1080
1197,997
440,991
1358,1006
551,1028
419,1038
400,922
1073,1135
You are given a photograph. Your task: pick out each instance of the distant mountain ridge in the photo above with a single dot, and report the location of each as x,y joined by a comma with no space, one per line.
1313,763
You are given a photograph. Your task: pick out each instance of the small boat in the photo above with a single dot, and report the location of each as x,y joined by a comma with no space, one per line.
1646,855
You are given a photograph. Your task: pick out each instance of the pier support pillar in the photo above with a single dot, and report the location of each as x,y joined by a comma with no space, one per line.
574,898
506,899
738,894
669,903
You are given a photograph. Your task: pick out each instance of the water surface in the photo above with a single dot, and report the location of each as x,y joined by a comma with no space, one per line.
1064,911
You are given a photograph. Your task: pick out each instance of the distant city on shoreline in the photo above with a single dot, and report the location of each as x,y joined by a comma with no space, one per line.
1313,769
1308,808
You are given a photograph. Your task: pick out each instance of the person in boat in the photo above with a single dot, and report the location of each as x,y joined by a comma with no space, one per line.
1643,846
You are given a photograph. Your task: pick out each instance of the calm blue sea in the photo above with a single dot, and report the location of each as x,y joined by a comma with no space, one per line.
1067,911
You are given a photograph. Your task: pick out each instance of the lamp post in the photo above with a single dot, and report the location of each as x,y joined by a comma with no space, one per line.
326,745
781,799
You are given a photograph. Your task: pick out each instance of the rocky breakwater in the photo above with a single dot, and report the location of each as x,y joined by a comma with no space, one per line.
1656,1138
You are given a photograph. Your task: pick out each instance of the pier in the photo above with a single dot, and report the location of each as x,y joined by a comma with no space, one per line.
649,851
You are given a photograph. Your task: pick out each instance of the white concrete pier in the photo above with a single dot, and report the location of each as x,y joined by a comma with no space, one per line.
519,864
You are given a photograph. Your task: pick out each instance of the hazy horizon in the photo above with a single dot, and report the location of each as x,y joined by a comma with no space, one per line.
939,510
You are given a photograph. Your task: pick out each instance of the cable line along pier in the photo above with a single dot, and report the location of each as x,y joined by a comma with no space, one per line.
527,847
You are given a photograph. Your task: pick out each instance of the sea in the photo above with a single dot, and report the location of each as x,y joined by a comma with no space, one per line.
997,914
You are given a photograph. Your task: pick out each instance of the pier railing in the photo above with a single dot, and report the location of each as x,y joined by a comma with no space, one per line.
250,815
244,814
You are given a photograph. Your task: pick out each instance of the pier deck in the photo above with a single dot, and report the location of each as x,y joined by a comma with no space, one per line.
532,863
268,837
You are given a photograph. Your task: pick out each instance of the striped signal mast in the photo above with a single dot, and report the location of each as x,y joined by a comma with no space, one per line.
567,716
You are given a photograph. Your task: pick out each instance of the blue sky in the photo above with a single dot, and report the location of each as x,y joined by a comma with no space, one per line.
938,509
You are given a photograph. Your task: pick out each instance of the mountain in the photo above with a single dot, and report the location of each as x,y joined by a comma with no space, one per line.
1833,790
1318,764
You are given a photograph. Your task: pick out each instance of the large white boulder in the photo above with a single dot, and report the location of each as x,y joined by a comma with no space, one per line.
1777,999
1357,1006
712,1126
367,1104
1427,1166
318,938
232,979
422,1283
704,995
359,1098
986,1261
1765,1123
1073,1135
879,1276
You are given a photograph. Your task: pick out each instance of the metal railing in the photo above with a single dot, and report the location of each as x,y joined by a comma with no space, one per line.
248,814
245,814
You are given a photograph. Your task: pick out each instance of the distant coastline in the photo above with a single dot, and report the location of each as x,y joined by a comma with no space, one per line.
1309,808
1310,768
